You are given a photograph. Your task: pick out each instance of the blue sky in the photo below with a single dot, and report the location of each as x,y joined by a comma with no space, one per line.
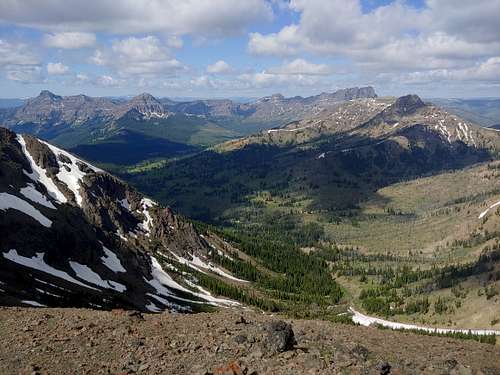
249,48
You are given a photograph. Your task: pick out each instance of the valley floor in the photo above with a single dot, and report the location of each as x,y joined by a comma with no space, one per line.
79,341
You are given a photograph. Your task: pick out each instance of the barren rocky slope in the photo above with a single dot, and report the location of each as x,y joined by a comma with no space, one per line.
65,341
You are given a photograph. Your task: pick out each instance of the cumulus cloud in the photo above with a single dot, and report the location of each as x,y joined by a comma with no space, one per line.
82,78
219,67
301,67
397,39
270,80
27,74
69,40
58,68
138,56
108,81
200,17
16,54
19,63
174,41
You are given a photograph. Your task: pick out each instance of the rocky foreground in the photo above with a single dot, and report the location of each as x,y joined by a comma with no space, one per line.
79,341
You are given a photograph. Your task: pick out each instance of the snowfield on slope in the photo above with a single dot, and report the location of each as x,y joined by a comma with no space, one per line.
366,320
35,196
74,176
85,273
9,201
482,214
162,281
37,262
40,174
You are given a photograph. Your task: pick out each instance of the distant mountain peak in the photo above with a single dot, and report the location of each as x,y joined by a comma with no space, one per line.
144,96
408,104
48,94
148,106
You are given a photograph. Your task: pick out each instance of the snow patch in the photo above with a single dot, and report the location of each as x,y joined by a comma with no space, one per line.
35,196
85,273
32,303
11,201
145,226
39,264
40,174
366,320
162,279
111,261
481,215
72,177
124,203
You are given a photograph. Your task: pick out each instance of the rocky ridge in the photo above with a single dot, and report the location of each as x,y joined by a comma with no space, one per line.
74,235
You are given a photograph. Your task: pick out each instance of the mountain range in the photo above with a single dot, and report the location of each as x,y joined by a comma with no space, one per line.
129,131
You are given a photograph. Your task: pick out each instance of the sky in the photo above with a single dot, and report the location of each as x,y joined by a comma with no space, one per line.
249,48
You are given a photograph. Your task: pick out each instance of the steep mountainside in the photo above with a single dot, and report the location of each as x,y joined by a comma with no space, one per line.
73,235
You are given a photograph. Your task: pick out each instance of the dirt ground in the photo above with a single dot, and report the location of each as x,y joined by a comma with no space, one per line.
79,341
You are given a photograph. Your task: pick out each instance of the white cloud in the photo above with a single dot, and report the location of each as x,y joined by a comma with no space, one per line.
174,41
270,80
139,49
16,54
27,74
301,67
108,81
200,17
69,40
138,56
285,42
58,68
81,78
392,40
98,58
219,67
19,63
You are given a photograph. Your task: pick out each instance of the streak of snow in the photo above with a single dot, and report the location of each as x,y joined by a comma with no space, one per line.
11,201
124,203
32,303
145,226
39,174
169,304
72,177
321,156
162,279
151,307
111,261
85,273
48,293
481,215
35,196
200,263
39,264
366,320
